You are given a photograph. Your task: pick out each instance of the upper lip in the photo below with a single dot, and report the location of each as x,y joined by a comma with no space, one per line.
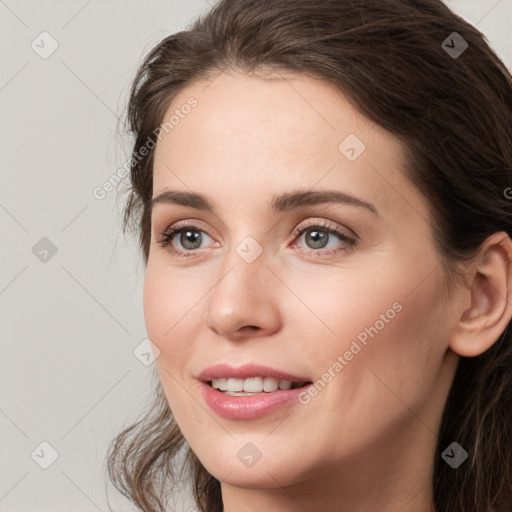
246,371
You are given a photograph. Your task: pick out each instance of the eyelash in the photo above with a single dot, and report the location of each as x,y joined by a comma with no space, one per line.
167,236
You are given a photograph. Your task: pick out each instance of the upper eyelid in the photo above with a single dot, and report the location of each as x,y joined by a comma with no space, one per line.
196,223
328,225
180,224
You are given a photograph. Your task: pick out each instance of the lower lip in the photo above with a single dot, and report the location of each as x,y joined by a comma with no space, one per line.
248,407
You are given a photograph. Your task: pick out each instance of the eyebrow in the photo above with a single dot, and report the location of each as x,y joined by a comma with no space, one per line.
280,203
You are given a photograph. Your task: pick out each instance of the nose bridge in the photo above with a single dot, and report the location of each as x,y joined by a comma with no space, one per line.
244,271
242,293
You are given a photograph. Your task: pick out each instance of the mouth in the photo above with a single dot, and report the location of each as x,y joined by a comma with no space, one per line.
250,391
232,386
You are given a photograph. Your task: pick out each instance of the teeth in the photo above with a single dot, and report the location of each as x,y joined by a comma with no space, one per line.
270,384
235,384
285,384
221,384
251,385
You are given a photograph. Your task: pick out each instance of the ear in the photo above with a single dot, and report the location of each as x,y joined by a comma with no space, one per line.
490,310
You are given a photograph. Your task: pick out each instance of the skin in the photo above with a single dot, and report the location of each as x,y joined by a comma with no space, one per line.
366,441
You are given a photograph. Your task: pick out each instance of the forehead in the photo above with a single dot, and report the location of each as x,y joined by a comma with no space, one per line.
248,137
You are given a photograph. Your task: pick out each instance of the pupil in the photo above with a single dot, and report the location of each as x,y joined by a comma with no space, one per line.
190,236
321,238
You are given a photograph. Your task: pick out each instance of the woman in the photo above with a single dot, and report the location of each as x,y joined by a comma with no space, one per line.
320,191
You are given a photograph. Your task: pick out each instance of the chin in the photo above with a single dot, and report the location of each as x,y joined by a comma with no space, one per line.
266,473
264,478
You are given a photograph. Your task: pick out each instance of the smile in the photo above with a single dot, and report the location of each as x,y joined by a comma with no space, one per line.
240,387
249,391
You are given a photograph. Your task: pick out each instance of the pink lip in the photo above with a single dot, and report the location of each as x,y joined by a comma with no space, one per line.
246,371
247,407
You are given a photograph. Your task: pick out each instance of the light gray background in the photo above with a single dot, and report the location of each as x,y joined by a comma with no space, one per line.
68,375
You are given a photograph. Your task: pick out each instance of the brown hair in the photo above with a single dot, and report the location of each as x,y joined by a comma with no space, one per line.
454,114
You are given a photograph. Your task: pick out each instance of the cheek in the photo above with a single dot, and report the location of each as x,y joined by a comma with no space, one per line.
388,332
169,316
170,324
159,306
385,317
169,298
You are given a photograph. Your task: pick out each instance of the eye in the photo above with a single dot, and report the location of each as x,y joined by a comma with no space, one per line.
189,236
316,235
319,235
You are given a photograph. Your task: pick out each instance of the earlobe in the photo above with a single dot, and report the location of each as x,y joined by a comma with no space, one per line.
490,309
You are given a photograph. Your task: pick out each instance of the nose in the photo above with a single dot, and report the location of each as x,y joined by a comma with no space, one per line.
244,301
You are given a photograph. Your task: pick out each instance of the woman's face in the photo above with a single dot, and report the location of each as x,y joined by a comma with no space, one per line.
351,306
